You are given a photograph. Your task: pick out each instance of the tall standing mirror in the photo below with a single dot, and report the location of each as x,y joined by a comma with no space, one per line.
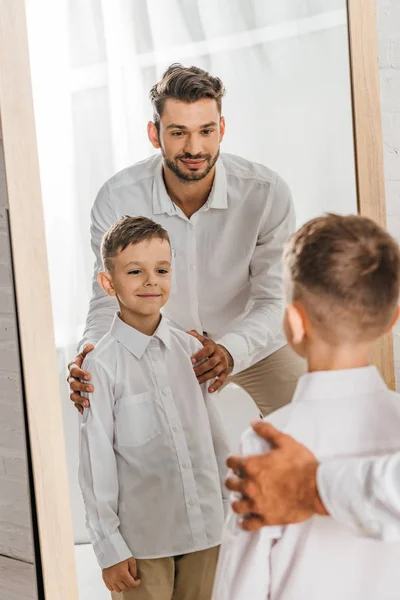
301,99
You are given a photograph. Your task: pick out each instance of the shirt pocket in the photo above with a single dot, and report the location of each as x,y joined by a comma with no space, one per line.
136,421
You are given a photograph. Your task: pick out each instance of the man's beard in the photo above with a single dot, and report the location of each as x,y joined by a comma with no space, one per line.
173,165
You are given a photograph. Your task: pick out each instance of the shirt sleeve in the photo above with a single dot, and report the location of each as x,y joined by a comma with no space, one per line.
98,477
264,320
363,494
101,307
243,569
220,440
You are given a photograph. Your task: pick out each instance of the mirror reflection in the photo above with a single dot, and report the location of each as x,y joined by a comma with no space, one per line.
228,124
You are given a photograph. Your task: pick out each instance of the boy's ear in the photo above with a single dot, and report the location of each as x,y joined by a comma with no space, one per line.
105,280
394,320
296,323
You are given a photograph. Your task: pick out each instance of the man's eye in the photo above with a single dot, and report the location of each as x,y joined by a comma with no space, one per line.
177,133
134,272
207,131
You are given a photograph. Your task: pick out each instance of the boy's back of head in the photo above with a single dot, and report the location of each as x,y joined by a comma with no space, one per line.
345,271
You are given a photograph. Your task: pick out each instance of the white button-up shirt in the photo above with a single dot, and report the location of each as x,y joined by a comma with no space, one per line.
227,272
335,414
153,449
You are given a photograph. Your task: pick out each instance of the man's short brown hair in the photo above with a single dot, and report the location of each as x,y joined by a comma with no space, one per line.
187,84
346,272
129,230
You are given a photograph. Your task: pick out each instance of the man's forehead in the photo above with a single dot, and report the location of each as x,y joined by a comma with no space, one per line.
185,113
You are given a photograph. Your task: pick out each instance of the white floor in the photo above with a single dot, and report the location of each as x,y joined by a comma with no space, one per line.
238,410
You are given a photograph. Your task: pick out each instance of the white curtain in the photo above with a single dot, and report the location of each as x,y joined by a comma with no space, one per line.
285,66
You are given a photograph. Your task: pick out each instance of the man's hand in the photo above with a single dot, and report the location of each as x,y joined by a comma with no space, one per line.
217,362
121,577
74,377
277,488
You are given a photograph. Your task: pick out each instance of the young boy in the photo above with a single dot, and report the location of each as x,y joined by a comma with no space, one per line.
342,279
152,457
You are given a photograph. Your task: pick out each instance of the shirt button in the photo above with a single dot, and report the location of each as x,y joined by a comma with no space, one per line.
191,502
175,428
192,267
155,357
165,391
185,465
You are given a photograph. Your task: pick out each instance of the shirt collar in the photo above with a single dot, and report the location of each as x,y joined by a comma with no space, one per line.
335,384
137,342
162,203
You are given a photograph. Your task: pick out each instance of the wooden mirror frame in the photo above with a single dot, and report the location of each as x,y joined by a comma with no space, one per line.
34,311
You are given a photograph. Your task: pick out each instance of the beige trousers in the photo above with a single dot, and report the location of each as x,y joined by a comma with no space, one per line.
272,381
186,577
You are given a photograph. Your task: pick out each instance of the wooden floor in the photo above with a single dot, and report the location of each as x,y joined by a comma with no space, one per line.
17,580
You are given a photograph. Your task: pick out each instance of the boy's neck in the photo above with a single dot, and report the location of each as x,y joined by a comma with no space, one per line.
146,324
323,357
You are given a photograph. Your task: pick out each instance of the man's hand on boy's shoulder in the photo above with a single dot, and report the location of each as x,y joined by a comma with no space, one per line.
75,377
216,362
122,576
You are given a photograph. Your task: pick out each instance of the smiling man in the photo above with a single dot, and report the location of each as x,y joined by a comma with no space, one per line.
228,219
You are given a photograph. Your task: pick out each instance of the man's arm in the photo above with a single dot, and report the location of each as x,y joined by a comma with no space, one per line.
288,485
102,307
98,476
264,320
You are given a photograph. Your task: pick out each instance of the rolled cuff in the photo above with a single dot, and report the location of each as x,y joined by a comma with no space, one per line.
111,550
238,349
342,486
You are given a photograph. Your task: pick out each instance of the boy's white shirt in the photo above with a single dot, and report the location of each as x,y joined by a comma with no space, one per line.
153,448
336,414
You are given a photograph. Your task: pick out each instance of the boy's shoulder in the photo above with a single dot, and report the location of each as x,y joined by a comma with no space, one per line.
252,443
188,342
102,355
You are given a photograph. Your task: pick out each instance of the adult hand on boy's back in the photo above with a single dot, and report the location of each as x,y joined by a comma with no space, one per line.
277,488
216,363
122,576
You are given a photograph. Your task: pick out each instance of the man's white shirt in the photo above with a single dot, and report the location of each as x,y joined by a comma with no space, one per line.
153,448
336,414
227,271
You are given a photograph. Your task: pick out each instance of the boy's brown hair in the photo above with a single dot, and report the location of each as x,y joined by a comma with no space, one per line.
129,230
345,270
187,84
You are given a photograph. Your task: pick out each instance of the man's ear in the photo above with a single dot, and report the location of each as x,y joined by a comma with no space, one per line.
105,280
152,132
221,128
296,323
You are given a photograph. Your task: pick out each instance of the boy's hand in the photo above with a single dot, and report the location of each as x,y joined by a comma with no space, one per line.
122,576
217,362
74,377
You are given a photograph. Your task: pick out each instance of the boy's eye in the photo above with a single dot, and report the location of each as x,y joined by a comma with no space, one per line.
134,272
163,271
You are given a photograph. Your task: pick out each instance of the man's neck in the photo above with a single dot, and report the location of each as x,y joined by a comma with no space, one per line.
146,324
190,196
323,357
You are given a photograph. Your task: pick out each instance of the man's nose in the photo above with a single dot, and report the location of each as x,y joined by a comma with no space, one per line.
193,145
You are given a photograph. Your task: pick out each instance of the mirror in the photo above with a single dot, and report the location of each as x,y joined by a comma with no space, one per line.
289,107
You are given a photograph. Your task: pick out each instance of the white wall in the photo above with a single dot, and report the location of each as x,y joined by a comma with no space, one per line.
388,17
